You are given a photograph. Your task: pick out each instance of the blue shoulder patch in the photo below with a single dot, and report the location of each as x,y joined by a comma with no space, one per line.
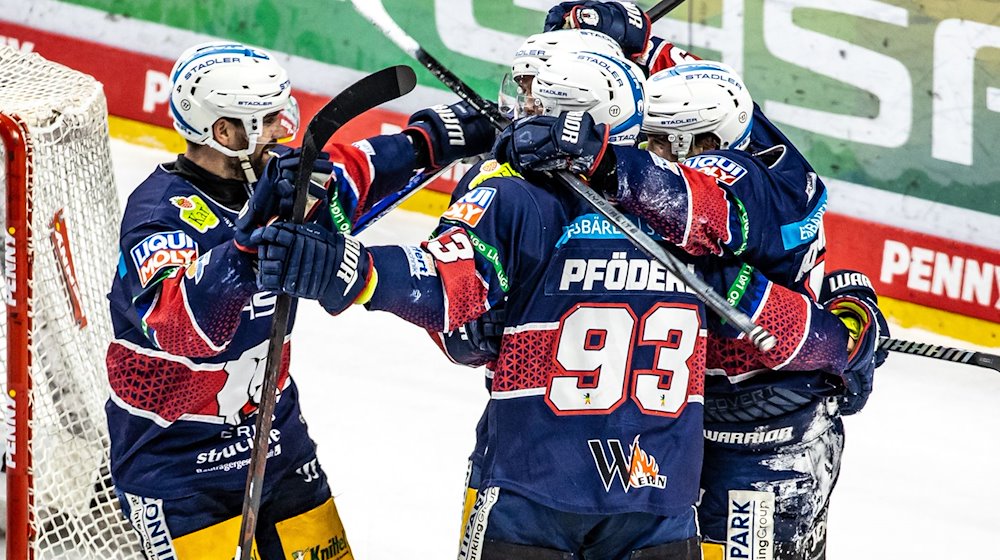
806,229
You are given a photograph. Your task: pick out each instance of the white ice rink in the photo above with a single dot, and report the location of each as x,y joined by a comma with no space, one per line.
394,421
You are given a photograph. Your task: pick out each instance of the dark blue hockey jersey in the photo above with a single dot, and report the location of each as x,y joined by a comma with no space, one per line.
759,210
596,401
191,331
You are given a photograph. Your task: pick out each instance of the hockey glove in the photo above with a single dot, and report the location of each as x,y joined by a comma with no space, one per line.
624,22
308,261
570,141
476,343
274,194
445,133
849,295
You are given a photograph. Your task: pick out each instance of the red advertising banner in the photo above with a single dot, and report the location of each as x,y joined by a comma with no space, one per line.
922,269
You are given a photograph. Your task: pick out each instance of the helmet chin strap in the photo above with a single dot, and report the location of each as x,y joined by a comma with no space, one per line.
680,144
243,155
248,171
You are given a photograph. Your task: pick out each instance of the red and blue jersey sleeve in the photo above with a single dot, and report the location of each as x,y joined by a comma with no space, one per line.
808,337
688,208
660,55
767,213
366,172
490,241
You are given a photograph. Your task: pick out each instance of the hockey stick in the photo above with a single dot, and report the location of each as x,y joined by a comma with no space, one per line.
375,13
661,9
391,202
421,180
957,355
367,93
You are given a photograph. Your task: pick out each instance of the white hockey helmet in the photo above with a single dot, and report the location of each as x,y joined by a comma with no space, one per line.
538,48
221,79
696,98
607,87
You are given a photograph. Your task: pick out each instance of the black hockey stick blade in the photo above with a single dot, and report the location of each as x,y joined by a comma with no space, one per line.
367,93
957,355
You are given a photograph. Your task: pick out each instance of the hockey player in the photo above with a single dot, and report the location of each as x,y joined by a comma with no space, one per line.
192,326
594,443
699,114
678,109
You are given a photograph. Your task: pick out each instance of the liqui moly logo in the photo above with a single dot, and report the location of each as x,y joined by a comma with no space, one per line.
162,250
472,207
723,169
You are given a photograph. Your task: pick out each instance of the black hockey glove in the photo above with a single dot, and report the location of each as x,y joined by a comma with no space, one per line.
445,133
308,261
624,22
849,295
542,143
476,343
274,194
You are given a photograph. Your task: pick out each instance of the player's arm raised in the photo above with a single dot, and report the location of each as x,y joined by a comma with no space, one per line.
433,138
627,25
451,279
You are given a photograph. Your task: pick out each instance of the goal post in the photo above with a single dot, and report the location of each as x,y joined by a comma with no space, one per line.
61,216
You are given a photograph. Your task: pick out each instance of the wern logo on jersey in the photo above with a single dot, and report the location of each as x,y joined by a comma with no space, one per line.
639,470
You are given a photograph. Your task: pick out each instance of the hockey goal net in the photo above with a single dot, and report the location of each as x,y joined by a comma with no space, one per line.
61,214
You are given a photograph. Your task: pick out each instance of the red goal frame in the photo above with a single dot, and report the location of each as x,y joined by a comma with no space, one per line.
19,165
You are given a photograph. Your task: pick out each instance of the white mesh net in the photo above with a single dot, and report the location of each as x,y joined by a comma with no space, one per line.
76,513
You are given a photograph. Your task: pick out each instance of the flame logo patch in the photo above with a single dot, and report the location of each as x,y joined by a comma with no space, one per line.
638,470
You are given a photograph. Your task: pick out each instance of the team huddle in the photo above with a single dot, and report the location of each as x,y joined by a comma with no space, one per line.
626,419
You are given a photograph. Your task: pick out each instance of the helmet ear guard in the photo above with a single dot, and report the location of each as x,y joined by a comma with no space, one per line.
698,98
228,80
